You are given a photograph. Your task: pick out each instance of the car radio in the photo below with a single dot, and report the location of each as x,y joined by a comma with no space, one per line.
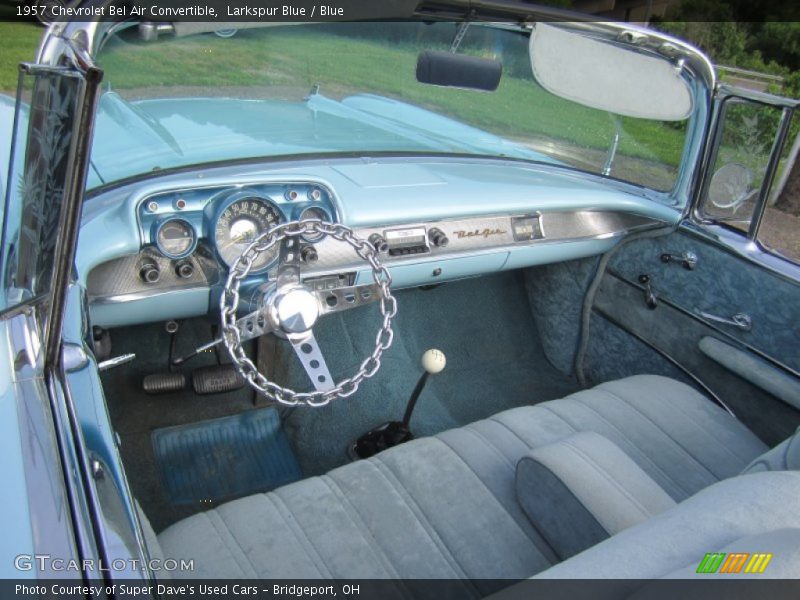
413,240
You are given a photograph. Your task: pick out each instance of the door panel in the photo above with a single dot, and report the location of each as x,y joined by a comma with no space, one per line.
721,284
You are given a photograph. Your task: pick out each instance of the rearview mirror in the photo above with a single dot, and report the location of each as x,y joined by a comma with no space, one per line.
602,75
458,70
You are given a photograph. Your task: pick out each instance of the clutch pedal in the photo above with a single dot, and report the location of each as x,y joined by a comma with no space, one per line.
216,379
164,383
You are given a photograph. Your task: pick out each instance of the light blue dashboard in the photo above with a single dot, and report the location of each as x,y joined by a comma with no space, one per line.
480,205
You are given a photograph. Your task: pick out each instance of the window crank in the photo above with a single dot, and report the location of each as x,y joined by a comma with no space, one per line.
740,320
650,297
687,259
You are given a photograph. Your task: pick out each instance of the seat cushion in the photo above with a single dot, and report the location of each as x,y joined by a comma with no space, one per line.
445,506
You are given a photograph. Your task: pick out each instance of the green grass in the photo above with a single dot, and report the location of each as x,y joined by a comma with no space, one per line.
274,61
301,57
19,44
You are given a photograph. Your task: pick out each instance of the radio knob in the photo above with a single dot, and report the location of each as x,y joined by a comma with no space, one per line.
438,238
378,242
309,254
148,270
184,269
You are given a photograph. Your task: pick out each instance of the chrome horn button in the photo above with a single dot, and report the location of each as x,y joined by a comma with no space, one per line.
296,311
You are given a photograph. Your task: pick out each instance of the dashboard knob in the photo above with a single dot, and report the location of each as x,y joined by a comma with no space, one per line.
184,269
438,238
379,242
148,270
309,254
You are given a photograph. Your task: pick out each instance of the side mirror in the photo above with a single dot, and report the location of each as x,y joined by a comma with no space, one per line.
458,70
731,186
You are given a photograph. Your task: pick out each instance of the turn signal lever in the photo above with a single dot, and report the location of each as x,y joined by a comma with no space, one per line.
398,432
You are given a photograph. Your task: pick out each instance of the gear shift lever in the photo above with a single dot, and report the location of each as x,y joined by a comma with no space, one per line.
398,432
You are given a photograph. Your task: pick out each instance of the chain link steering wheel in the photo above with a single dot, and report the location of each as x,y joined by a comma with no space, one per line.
289,309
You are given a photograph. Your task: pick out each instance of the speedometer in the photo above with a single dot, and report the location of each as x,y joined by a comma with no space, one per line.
239,224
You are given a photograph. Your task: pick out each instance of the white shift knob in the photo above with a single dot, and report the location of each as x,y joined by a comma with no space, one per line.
433,361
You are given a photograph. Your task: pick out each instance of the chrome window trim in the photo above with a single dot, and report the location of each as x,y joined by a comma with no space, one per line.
737,244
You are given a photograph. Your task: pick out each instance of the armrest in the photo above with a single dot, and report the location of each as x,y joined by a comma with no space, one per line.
582,489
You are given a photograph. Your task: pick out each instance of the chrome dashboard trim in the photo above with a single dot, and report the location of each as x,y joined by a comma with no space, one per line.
117,282
558,227
141,295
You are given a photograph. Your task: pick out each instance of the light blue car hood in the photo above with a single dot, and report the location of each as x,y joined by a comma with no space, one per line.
133,138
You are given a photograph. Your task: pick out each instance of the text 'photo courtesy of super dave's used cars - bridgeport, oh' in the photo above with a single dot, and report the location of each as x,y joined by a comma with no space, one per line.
407,299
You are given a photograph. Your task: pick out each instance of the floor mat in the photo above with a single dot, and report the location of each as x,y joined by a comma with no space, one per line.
224,458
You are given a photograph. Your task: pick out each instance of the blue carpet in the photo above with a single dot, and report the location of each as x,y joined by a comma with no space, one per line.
224,458
495,361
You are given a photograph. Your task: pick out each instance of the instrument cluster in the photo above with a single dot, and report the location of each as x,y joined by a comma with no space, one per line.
220,222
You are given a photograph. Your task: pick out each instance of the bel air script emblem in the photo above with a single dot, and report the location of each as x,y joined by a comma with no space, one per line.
484,233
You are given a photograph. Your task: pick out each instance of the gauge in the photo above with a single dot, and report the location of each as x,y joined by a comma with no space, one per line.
314,212
175,238
239,224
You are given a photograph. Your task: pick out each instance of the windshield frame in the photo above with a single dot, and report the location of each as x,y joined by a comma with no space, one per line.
697,71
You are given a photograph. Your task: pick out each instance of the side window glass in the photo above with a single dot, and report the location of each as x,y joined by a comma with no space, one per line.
47,102
780,227
753,186
744,146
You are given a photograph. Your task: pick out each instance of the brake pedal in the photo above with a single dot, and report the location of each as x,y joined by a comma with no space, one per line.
216,379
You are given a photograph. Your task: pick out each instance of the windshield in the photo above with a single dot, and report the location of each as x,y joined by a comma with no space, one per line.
351,88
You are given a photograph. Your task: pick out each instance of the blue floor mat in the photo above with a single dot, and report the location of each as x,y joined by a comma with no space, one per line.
224,458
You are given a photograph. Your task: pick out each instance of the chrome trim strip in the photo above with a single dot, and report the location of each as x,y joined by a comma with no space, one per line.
560,228
738,245
760,97
134,296
769,173
70,217
727,334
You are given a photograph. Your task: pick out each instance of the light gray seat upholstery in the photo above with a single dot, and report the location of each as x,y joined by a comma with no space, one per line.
446,506
755,512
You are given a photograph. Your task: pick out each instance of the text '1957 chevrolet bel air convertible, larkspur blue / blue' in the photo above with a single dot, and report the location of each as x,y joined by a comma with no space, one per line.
424,307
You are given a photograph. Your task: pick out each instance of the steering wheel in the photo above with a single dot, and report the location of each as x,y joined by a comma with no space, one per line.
288,308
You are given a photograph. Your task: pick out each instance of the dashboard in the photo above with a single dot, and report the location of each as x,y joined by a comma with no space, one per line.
173,238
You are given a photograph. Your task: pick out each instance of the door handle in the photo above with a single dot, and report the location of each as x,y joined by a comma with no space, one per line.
650,298
688,259
740,320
